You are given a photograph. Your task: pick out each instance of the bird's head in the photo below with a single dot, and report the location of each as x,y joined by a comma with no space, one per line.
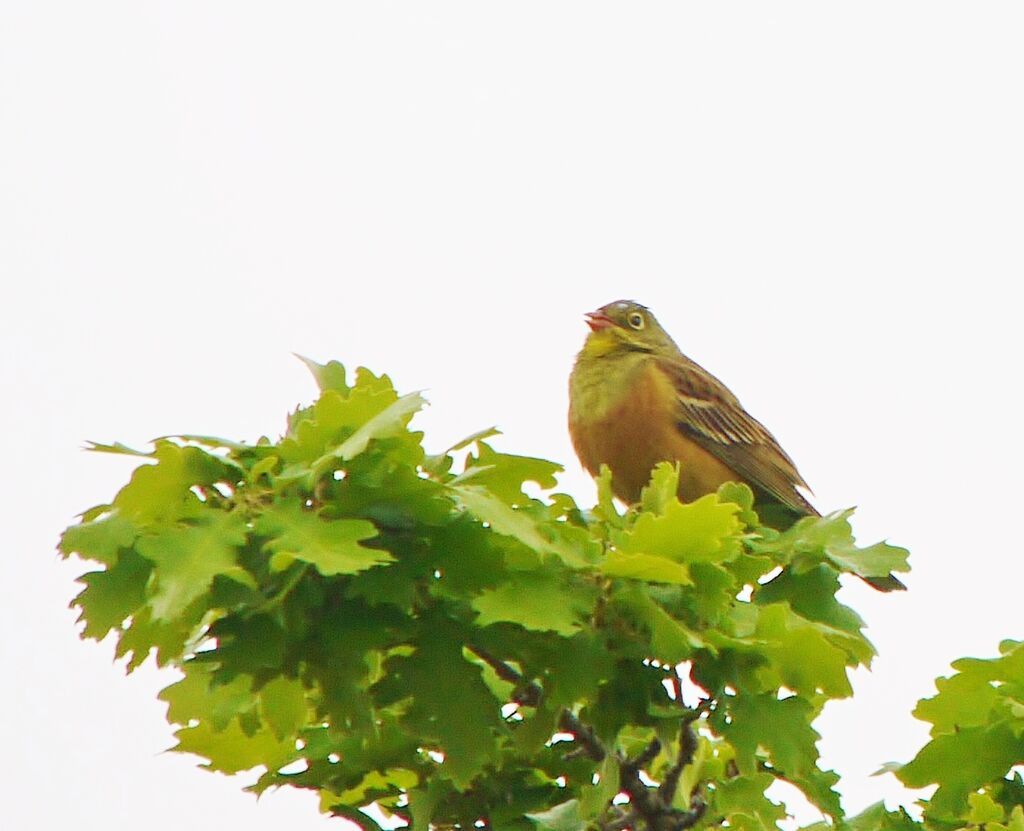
625,326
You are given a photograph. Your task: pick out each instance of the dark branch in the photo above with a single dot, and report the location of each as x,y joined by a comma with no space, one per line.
501,669
620,820
653,807
527,694
590,744
687,748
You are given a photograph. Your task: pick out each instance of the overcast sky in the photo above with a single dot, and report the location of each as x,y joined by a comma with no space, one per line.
822,202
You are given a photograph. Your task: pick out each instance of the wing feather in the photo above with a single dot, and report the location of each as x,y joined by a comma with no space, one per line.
713,417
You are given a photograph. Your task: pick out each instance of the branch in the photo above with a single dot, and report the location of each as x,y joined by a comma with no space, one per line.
687,749
645,802
654,807
528,694
590,744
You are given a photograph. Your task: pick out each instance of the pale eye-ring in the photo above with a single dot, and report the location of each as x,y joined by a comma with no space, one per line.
636,320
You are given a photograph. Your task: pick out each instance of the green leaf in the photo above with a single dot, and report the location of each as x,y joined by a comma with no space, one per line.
800,653
984,809
347,645
391,421
962,762
116,448
504,474
394,780
329,376
783,728
423,801
562,817
316,432
99,539
740,494
537,600
977,728
568,671
509,521
187,558
162,492
232,750
595,800
393,499
605,510
213,442
670,640
1016,821
264,467
144,634
250,644
977,693
705,531
713,593
874,818
463,726
742,802
661,491
197,696
111,596
331,546
812,596
647,567
439,464
965,700
813,539
478,436
284,707
876,560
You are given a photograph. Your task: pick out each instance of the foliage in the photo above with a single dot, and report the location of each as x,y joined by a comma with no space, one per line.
386,627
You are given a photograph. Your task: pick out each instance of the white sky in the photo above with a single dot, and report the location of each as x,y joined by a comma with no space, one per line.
821,201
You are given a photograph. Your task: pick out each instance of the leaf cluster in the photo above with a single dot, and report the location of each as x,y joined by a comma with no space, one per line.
977,739
417,633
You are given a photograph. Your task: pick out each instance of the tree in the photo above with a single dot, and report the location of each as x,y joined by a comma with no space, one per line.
359,618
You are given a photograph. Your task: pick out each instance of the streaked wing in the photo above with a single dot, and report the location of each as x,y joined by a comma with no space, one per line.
713,417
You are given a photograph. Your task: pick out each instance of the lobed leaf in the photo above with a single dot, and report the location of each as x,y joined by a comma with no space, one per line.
330,546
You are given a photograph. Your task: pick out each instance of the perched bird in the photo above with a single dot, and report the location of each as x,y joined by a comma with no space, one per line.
636,400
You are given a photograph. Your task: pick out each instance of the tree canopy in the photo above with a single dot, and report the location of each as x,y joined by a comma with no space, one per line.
448,639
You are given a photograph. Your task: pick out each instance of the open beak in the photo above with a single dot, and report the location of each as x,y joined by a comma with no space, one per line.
598,320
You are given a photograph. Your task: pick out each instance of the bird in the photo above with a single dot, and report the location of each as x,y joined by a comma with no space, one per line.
636,400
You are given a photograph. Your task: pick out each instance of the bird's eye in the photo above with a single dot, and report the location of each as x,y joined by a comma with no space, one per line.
636,320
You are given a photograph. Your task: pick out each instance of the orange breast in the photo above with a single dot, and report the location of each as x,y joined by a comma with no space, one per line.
637,433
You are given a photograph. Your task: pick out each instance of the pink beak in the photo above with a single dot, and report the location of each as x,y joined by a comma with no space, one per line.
598,320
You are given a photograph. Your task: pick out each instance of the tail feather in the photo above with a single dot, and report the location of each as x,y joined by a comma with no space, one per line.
889,583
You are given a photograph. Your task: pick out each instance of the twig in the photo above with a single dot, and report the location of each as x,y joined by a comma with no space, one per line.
645,802
687,749
501,669
654,807
528,694
621,820
649,806
590,744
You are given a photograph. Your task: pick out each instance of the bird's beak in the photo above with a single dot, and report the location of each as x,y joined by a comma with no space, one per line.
598,320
